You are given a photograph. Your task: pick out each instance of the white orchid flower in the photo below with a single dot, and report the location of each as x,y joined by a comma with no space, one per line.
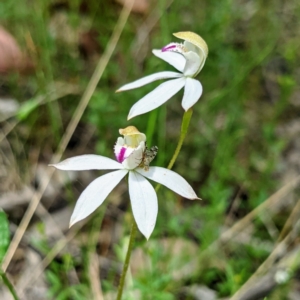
188,58
129,153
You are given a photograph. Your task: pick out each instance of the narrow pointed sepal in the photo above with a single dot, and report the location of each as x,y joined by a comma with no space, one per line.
148,79
171,180
94,195
87,162
157,97
144,203
192,93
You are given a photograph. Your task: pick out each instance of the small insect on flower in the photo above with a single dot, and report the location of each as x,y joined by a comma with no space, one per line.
148,156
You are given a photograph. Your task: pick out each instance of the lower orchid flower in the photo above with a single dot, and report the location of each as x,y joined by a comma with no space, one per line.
188,58
130,154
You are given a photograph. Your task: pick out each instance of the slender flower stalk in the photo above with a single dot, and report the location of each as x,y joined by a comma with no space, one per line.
188,58
183,131
127,260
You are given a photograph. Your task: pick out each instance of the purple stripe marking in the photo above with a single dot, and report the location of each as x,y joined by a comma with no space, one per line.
164,49
120,156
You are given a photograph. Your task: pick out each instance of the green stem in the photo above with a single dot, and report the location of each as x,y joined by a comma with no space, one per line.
183,131
184,128
9,285
127,260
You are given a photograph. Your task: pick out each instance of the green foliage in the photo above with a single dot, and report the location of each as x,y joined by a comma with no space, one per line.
4,243
4,235
60,291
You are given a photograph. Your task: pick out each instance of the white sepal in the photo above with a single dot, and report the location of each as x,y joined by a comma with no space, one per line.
144,203
148,79
171,180
135,158
191,47
174,59
94,195
87,162
193,62
122,152
192,92
157,97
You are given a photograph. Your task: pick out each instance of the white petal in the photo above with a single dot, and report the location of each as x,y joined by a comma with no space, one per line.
145,80
144,203
122,151
87,162
94,195
192,92
157,97
135,158
201,51
193,64
191,47
176,60
120,141
171,180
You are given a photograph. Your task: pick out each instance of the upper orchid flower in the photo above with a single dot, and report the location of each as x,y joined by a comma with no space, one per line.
130,154
188,58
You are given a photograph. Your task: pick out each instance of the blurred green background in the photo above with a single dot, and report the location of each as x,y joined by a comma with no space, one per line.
240,149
